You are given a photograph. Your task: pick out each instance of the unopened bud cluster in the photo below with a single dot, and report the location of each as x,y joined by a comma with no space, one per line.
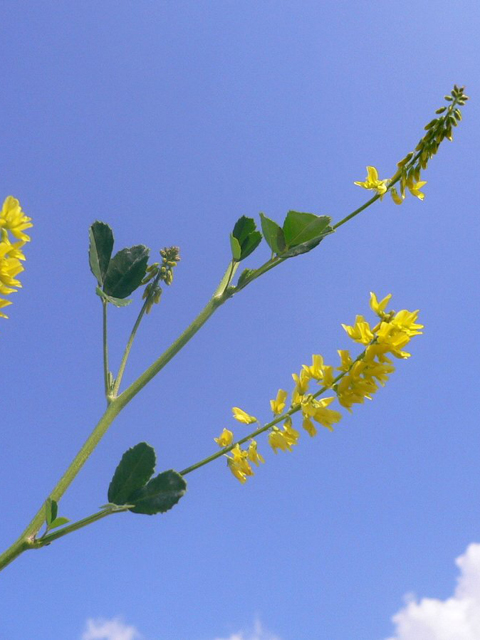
156,272
410,167
351,382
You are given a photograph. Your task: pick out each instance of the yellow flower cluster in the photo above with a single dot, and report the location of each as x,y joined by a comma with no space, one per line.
409,168
13,221
356,380
410,181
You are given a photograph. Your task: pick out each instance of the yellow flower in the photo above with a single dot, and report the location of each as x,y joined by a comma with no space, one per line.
239,465
380,371
398,199
319,371
301,385
278,405
277,440
354,389
4,303
379,307
328,377
309,427
252,453
346,359
326,417
9,268
316,370
13,219
317,409
391,339
373,183
414,187
243,416
406,322
225,439
360,332
290,434
9,249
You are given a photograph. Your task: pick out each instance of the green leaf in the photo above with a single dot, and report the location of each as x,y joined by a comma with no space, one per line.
300,228
134,470
115,301
273,234
247,237
51,510
304,231
126,271
160,494
236,249
100,251
58,522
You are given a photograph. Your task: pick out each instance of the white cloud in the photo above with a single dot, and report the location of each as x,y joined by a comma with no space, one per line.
115,629
258,633
457,618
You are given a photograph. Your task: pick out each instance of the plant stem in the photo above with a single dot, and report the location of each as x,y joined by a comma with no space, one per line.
12,553
75,526
227,278
27,538
128,348
129,393
106,369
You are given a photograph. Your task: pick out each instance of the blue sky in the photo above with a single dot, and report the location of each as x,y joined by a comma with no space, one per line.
169,121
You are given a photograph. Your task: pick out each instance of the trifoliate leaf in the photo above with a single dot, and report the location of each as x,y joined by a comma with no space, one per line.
100,251
134,470
126,271
273,234
160,494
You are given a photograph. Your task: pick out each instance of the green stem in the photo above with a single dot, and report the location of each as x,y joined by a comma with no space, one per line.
356,212
12,553
129,393
106,369
227,279
273,262
27,538
128,348
75,526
